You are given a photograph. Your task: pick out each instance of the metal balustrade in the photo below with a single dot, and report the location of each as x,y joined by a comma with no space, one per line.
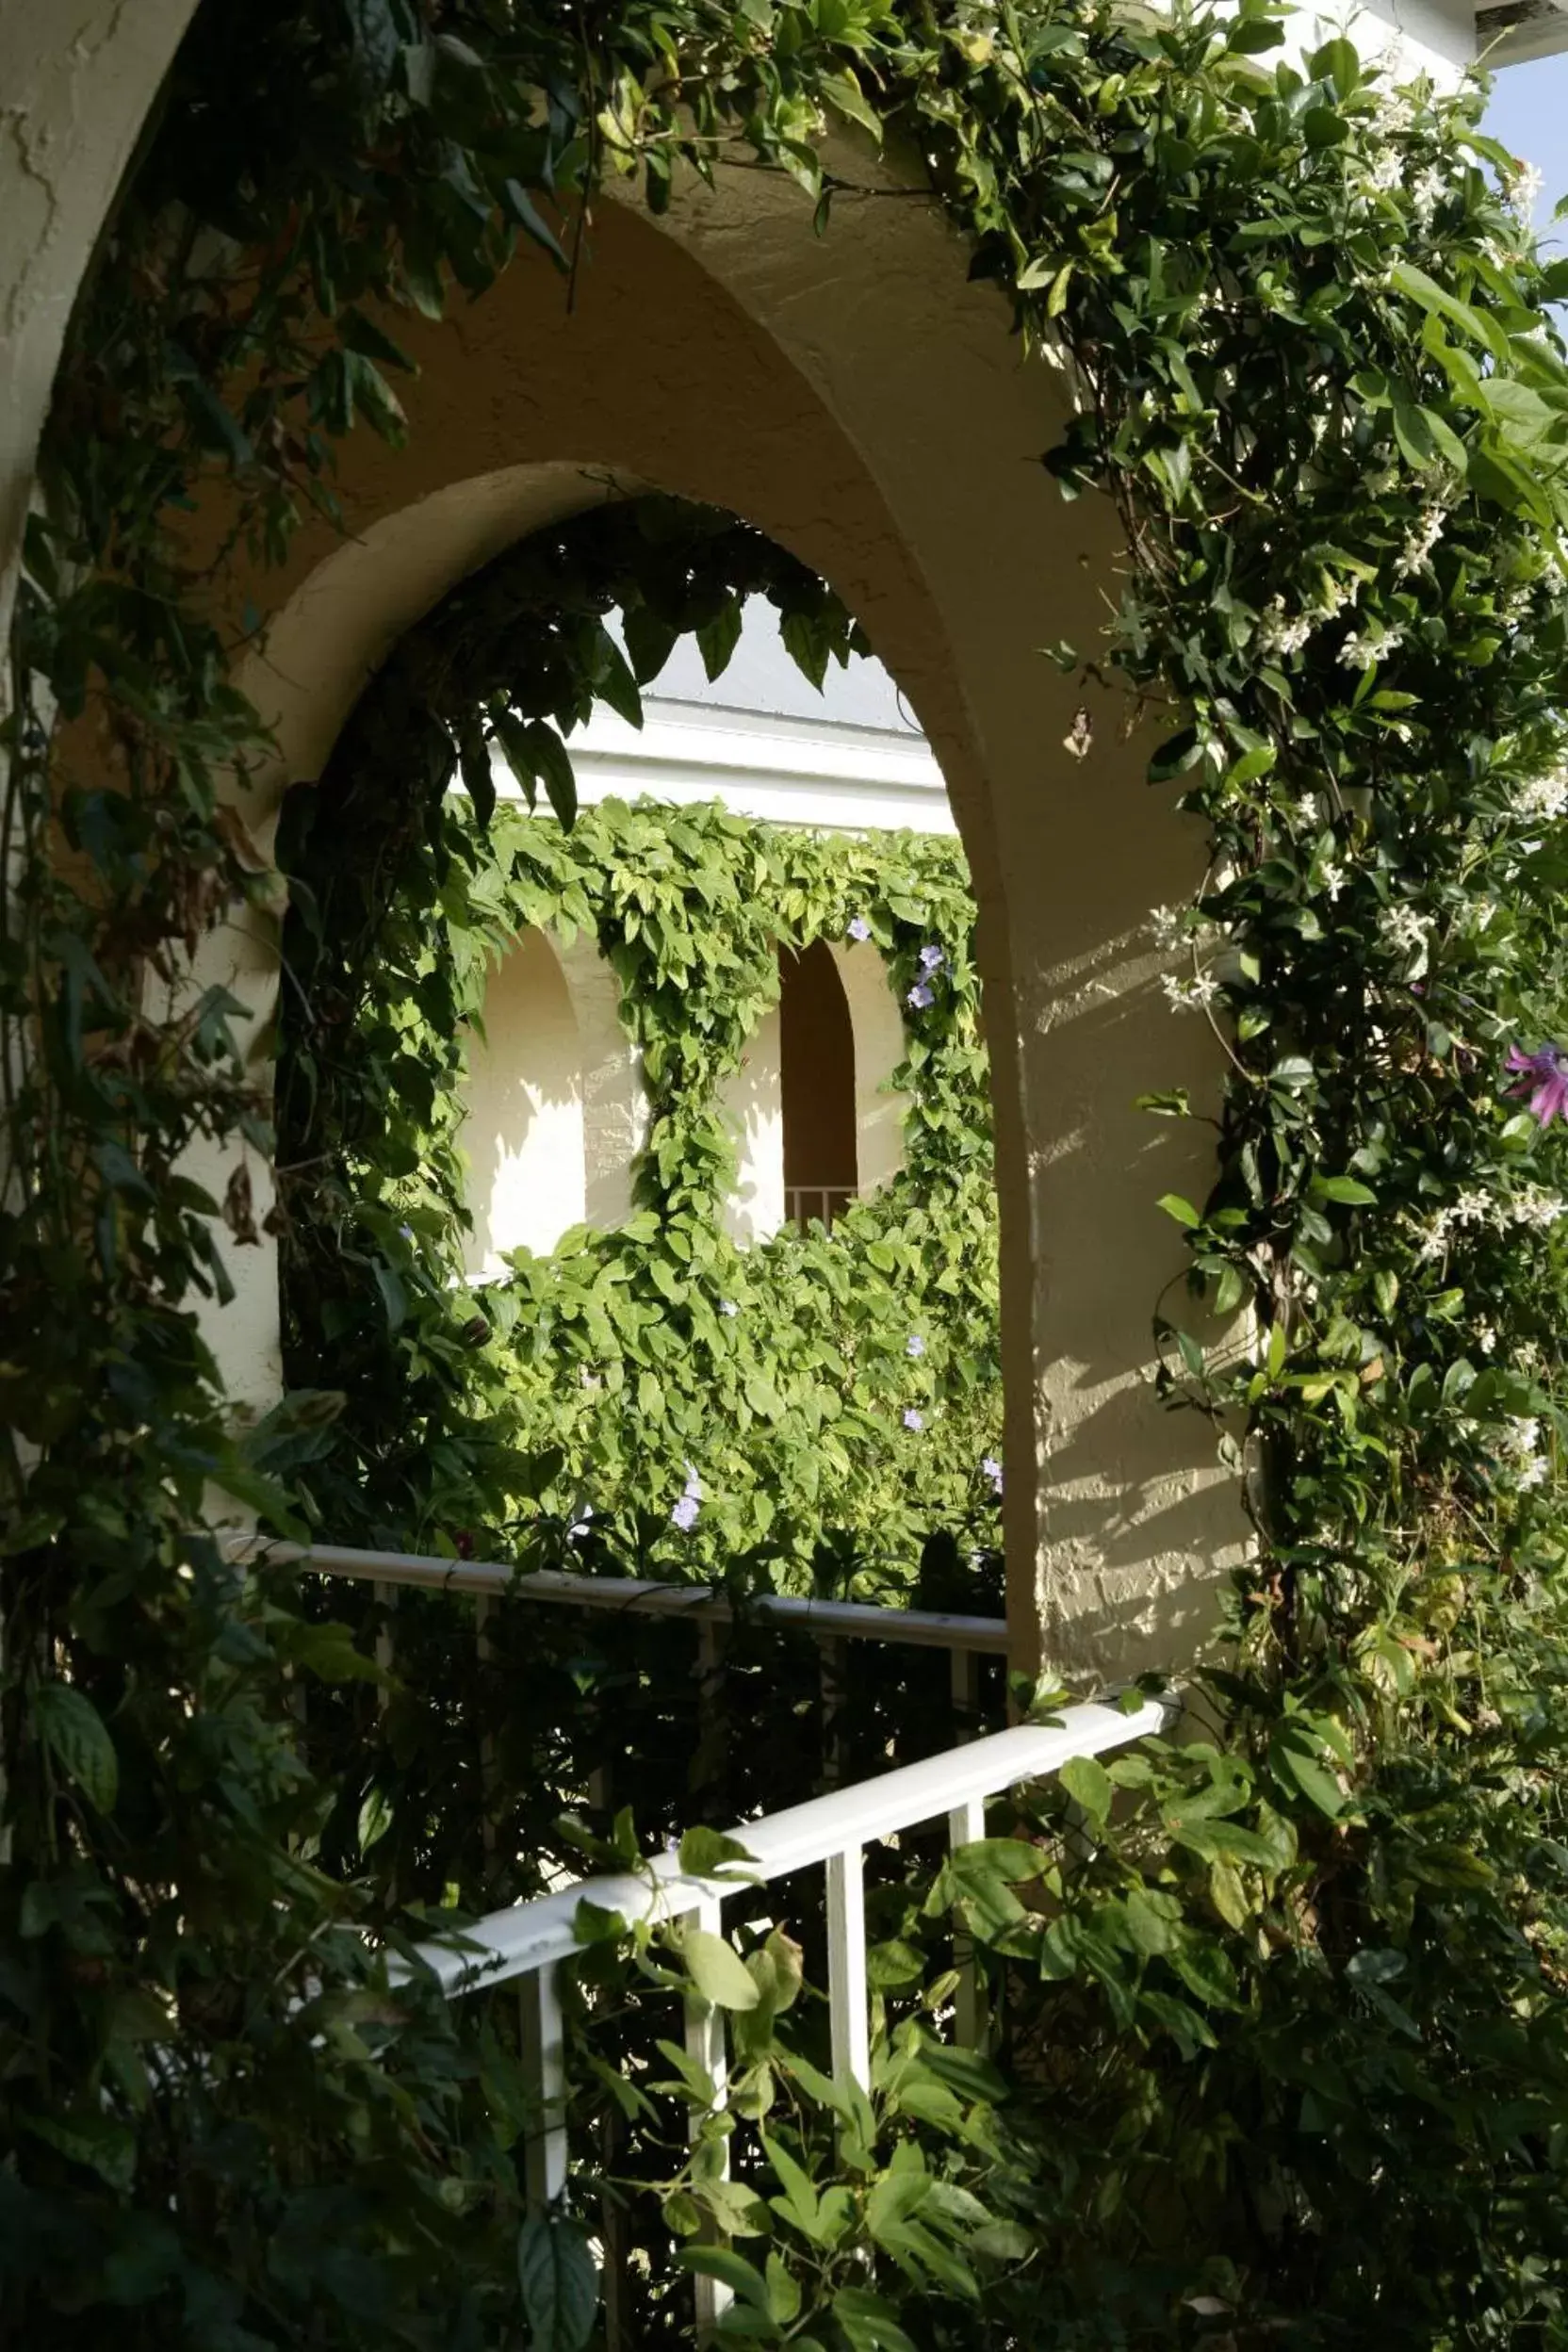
802,1203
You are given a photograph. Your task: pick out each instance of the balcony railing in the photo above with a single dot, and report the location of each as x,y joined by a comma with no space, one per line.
804,1202
528,1943
531,1942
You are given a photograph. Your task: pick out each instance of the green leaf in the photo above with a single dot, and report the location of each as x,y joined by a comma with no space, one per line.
722,2261
870,2324
559,2282
75,1736
1346,1188
552,764
717,1970
1183,1211
375,1818
1088,1785
705,1852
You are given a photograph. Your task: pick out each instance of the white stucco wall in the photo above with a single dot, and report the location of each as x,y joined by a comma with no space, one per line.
522,1132
879,1031
751,1103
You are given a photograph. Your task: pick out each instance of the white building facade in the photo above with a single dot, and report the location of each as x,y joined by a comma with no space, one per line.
555,1113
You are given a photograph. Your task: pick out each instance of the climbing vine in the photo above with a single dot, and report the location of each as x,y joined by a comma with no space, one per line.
1312,358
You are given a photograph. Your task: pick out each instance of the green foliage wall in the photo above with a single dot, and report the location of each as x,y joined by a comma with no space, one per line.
832,1398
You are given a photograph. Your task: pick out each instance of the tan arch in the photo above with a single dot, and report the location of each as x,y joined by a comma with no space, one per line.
858,400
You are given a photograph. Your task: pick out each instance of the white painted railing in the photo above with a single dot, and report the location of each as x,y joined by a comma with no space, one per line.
528,1943
802,1203
707,1607
531,1942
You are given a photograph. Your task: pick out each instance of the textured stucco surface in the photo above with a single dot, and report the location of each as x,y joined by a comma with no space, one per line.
76,80
522,1130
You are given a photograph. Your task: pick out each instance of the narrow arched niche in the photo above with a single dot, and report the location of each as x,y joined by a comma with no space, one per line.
816,1061
522,1132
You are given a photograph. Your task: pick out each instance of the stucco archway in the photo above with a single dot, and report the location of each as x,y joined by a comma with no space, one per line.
856,399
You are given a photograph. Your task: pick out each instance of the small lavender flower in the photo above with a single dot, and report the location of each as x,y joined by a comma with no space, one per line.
914,1345
932,958
859,928
684,1515
405,1233
1545,1081
990,1470
920,996
913,1417
727,1306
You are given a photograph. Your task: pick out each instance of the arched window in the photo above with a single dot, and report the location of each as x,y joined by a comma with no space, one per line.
817,1072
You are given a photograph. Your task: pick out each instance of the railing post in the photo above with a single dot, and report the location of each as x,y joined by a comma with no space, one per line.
386,1648
542,2038
966,1826
706,1757
487,1824
706,2048
848,1999
834,1671
965,1685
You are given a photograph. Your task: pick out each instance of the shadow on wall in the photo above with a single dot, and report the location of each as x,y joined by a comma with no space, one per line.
523,1128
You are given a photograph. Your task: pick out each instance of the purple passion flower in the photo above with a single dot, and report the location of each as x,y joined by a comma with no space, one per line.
1544,1076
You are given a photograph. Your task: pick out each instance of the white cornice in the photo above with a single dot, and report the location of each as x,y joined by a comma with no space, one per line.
784,770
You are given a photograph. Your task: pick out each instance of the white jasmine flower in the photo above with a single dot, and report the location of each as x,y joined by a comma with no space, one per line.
1386,172
1420,542
1408,932
1397,114
1282,632
1333,879
1188,996
1166,927
1523,186
1373,643
1486,1337
1543,797
1537,1209
1426,192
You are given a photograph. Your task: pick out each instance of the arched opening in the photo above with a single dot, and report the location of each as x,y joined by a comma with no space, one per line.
789,400
522,1102
817,1080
